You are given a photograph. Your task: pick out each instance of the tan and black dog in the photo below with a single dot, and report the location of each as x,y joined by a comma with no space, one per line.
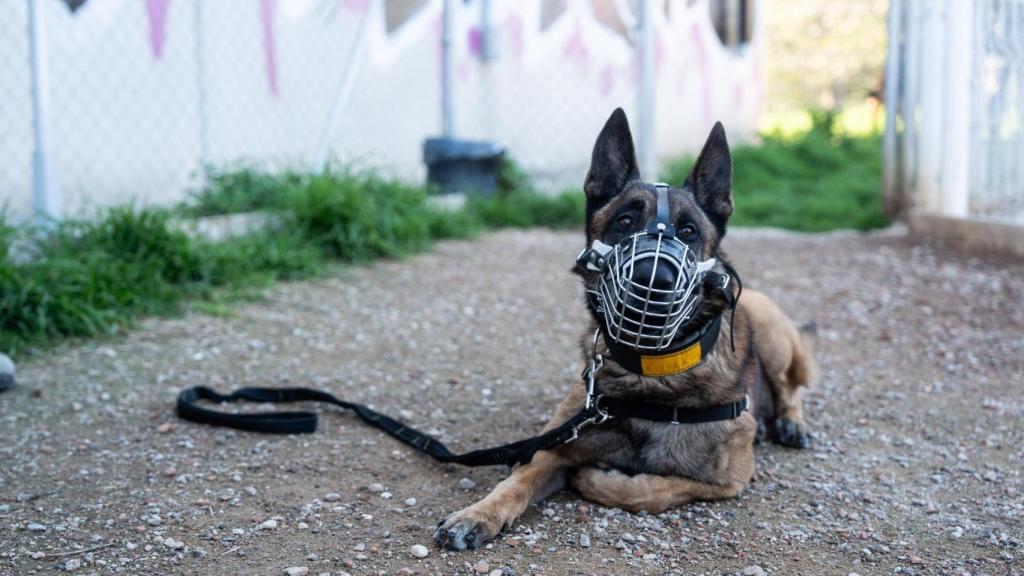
637,464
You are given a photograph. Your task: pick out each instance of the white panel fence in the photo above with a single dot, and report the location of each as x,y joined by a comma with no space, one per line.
955,103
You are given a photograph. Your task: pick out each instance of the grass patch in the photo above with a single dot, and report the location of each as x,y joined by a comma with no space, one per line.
95,276
819,179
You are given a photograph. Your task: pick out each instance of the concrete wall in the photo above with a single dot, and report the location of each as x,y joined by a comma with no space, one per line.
144,92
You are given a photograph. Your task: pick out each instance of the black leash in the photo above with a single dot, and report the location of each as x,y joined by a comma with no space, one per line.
521,452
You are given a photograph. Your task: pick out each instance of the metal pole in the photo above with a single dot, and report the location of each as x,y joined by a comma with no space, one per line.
955,194
202,112
892,82
348,82
447,65
645,95
45,191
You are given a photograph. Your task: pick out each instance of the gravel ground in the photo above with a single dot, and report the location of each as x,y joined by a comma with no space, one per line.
916,466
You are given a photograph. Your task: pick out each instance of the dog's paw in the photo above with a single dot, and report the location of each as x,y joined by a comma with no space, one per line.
464,530
762,430
791,433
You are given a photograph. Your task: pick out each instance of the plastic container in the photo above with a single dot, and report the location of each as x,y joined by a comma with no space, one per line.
463,166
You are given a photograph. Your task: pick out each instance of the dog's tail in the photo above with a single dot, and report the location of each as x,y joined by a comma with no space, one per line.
803,370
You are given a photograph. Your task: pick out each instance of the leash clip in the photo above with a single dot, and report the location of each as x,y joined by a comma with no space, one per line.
601,417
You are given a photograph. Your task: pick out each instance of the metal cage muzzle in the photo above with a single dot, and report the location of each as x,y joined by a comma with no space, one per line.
647,289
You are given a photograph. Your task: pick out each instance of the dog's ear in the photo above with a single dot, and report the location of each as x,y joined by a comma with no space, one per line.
711,178
613,162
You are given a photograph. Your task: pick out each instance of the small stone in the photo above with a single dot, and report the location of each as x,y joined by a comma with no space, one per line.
332,497
313,557
174,544
165,428
467,484
35,527
385,495
170,472
409,502
238,531
359,547
956,533
375,487
497,572
268,525
482,567
419,551
585,540
199,553
754,570
302,525
297,571
72,564
38,555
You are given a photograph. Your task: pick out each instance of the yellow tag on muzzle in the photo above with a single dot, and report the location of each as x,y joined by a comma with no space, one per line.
671,363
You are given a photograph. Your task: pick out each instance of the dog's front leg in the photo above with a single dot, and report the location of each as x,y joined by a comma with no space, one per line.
472,526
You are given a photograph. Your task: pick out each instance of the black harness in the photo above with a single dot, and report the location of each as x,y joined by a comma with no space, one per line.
597,409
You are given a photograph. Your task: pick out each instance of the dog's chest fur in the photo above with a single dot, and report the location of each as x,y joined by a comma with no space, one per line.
697,451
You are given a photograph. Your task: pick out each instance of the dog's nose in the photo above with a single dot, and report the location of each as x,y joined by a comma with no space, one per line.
661,278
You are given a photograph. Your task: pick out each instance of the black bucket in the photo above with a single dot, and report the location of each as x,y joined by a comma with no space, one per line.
463,166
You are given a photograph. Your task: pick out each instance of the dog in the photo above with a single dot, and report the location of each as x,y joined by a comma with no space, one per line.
643,465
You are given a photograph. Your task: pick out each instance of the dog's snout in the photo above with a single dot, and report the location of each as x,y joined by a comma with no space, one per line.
660,276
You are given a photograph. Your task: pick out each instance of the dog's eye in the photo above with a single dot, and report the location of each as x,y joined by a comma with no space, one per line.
626,221
686,232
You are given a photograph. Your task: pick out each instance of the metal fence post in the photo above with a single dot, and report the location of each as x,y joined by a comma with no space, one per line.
646,152
893,81
45,191
447,65
954,199
204,121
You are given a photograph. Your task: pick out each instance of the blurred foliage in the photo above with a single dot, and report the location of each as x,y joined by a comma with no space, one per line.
819,179
823,53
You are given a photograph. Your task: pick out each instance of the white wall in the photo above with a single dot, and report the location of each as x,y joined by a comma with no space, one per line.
145,91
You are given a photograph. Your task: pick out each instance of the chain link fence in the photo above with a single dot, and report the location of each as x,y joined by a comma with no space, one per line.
144,93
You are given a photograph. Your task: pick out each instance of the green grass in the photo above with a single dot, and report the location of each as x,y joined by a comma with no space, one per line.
819,179
95,276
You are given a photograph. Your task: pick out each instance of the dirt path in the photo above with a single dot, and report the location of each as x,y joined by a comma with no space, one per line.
918,417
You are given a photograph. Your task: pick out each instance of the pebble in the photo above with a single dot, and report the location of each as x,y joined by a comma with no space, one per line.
419,551
496,572
585,540
174,544
375,487
409,502
72,564
467,484
482,567
297,571
35,527
268,525
754,570
332,497
165,428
